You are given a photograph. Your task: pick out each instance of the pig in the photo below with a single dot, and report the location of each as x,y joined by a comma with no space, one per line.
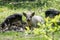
8,22
51,13
33,19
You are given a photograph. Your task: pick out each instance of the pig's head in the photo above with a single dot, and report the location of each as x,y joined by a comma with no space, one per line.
29,15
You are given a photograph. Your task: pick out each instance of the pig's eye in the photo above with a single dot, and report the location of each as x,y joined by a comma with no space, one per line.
30,16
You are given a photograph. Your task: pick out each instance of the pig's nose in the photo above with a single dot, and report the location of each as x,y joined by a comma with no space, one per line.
28,19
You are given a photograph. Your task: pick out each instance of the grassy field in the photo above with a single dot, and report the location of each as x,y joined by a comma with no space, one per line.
5,11
12,35
21,36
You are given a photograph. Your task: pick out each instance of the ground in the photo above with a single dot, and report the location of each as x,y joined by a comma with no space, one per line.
5,12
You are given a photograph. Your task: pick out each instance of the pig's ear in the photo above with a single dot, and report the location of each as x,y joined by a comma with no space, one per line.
24,14
33,13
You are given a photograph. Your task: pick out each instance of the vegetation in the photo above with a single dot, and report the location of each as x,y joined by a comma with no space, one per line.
44,32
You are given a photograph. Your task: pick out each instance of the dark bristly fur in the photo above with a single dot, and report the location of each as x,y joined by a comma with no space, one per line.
10,19
51,13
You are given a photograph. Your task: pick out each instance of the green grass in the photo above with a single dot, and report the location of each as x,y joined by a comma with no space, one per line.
5,12
21,36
